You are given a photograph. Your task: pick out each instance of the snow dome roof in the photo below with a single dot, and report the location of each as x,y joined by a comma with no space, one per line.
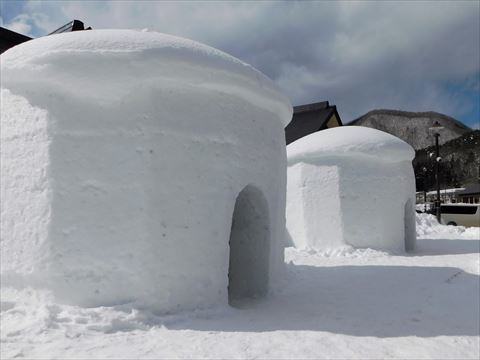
130,59
350,141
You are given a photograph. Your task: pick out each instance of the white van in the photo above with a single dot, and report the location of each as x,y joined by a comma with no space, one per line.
460,214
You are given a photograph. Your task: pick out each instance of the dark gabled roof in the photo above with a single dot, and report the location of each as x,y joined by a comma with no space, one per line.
9,38
74,25
311,107
470,190
308,119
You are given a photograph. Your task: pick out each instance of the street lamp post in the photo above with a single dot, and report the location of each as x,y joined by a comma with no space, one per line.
435,128
424,188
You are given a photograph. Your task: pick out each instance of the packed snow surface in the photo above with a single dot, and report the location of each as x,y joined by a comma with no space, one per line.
358,304
350,141
350,186
106,65
132,164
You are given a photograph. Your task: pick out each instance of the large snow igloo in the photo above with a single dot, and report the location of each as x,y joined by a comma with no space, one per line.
351,186
140,168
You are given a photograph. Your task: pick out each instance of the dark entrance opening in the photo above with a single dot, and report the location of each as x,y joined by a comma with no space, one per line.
248,274
409,226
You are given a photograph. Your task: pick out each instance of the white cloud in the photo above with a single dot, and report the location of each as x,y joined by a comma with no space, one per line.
359,55
20,23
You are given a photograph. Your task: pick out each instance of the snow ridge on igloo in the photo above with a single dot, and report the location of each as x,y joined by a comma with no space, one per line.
351,186
128,160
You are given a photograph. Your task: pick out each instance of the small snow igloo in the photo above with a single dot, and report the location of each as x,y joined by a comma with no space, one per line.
140,168
352,186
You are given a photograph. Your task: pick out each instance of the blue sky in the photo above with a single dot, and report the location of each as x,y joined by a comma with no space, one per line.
414,56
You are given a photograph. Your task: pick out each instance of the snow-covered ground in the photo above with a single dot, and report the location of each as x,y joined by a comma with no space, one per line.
343,304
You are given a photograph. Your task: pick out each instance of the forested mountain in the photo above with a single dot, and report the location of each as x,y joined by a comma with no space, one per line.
460,145
460,163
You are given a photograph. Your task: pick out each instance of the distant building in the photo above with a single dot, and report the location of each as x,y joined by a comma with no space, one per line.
74,25
310,118
9,38
447,196
471,194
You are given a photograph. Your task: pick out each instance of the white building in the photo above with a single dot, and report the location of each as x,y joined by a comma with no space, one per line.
447,196
131,161
350,186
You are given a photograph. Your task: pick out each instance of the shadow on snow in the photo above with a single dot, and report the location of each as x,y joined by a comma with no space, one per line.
380,301
429,247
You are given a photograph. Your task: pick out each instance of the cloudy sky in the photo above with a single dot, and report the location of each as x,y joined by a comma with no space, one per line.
361,55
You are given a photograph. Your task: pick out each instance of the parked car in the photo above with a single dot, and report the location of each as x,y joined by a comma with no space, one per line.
460,214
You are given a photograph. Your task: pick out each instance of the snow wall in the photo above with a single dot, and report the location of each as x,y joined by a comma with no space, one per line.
123,155
350,186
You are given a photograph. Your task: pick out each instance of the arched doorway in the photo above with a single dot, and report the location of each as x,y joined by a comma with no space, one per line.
409,225
248,274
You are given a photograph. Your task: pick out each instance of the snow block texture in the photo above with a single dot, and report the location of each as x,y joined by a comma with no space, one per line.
124,156
351,186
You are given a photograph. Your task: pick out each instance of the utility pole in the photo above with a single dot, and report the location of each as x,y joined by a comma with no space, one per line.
437,177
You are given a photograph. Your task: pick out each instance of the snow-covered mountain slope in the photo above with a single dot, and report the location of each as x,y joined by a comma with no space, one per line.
412,127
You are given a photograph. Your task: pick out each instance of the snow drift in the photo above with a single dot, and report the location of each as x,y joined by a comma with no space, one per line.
351,186
123,154
427,225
